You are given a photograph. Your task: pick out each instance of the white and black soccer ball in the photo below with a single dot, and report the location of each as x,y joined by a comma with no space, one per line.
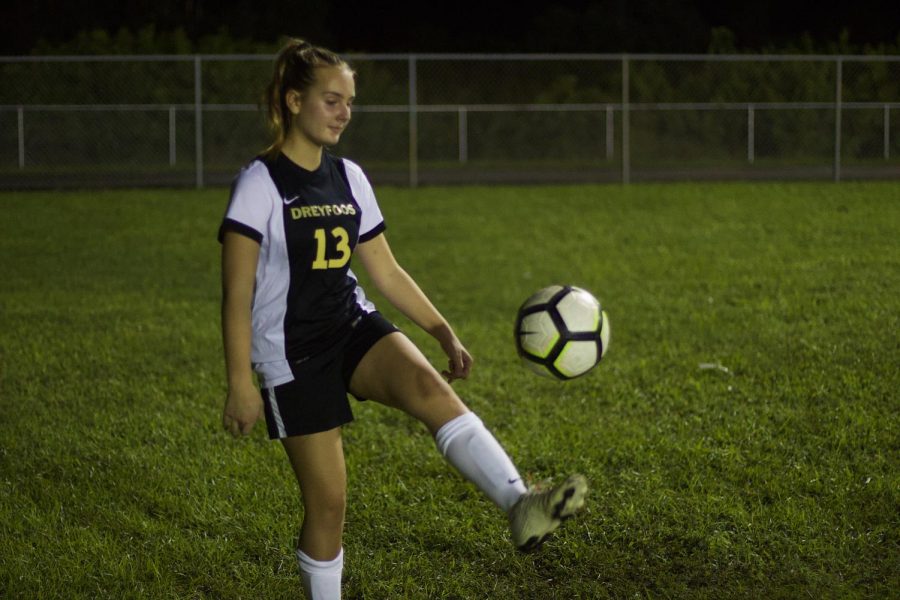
562,332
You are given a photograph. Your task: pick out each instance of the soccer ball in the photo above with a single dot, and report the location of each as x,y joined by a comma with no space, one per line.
562,332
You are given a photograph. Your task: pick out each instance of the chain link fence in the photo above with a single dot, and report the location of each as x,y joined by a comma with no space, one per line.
113,121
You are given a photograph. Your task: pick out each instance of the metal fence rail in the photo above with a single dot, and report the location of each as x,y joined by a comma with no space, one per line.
193,120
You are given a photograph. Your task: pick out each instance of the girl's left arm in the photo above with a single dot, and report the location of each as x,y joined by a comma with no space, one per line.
403,292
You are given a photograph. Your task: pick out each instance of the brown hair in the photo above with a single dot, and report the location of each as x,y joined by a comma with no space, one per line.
295,68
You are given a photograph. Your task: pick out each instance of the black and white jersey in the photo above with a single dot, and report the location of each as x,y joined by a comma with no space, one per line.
307,224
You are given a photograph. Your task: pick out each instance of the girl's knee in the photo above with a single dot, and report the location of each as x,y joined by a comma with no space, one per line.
430,385
327,507
436,402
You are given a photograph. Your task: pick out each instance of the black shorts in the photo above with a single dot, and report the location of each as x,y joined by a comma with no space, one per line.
316,400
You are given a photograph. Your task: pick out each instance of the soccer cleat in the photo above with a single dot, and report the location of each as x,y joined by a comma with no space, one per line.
537,514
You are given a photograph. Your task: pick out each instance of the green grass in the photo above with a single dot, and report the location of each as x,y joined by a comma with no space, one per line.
778,478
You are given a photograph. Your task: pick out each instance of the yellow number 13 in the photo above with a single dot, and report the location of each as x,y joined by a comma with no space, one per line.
342,246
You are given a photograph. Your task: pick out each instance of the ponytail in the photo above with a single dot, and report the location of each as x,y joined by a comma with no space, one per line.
295,68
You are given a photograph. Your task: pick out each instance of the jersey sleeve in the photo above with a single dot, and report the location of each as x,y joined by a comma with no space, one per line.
371,222
249,208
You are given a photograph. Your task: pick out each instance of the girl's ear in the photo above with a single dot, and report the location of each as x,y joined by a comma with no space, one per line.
292,99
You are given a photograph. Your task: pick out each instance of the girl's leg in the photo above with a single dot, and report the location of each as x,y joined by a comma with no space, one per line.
395,373
318,463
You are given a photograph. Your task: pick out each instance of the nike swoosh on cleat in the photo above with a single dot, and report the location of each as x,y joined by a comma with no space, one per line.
512,481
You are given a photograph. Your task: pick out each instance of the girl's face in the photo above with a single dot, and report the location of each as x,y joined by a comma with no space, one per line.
321,113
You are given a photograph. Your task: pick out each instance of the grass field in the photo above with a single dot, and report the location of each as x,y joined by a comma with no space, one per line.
775,476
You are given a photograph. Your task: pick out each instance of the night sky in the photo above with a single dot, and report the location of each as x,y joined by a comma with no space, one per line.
468,25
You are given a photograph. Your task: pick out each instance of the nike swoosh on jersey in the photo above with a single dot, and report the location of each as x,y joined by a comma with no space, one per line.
291,200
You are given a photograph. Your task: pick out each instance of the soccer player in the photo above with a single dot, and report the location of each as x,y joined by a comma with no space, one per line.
292,311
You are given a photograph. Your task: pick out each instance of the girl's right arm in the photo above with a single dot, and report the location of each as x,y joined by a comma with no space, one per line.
243,404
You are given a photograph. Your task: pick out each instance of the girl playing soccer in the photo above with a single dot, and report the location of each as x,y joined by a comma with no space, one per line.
293,313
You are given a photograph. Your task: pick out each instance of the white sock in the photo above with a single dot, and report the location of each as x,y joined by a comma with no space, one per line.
467,444
321,578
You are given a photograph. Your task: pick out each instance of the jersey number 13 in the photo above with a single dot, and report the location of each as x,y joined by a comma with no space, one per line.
341,241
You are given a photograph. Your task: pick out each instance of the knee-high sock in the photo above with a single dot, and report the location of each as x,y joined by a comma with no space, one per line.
321,578
467,444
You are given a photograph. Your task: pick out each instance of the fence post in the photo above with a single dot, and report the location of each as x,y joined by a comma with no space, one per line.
751,134
610,132
198,119
463,135
172,156
20,118
626,125
838,85
413,125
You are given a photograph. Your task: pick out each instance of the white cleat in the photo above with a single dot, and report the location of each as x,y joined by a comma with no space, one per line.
537,514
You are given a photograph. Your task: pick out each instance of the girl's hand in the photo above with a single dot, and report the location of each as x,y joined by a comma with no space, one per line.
460,361
243,408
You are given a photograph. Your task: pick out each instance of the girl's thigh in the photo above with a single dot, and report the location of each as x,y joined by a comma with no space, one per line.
394,372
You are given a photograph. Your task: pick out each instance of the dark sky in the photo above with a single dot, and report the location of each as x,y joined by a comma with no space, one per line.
467,25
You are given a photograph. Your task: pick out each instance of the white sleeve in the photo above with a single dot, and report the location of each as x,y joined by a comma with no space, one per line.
250,206
372,222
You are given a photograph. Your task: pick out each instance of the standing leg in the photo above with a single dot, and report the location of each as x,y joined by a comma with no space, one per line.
318,463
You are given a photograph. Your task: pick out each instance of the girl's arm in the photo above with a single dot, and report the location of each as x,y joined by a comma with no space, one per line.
401,290
243,404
